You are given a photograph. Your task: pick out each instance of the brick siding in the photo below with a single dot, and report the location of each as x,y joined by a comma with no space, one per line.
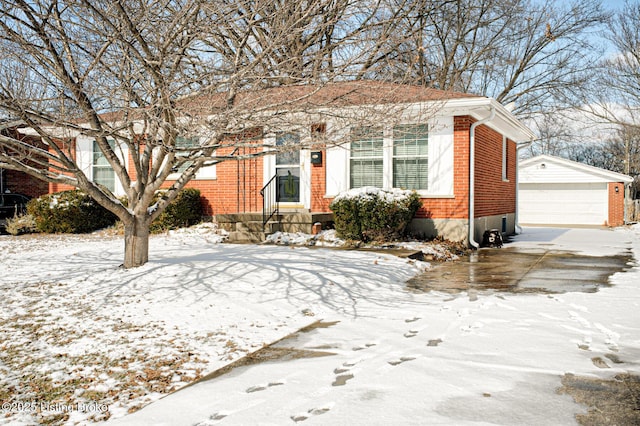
493,196
237,185
616,204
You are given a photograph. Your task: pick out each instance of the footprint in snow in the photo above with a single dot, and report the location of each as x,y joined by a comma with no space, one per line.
411,333
214,418
434,342
599,362
401,360
312,412
342,379
342,373
611,337
614,358
579,319
414,319
258,388
359,348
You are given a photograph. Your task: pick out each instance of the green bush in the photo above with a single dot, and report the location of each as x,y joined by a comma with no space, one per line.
185,210
23,224
373,214
69,212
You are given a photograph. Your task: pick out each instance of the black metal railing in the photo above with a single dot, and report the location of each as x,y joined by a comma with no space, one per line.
270,203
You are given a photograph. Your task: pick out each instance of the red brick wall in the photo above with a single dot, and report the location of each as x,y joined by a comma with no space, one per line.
70,148
20,182
616,204
319,186
236,187
493,196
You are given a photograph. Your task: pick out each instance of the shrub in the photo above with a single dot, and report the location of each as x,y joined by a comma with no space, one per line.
69,212
185,210
373,214
23,224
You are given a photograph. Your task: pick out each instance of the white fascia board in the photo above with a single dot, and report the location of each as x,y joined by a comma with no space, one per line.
480,107
55,132
598,172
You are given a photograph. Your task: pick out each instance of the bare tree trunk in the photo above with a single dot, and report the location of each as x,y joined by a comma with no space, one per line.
136,242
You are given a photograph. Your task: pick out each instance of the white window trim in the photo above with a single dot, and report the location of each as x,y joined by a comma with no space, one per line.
441,160
387,161
204,173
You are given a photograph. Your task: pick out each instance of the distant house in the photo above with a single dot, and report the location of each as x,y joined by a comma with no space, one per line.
556,191
461,158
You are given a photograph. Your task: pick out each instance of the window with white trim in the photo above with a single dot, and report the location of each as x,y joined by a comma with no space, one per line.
411,157
397,157
185,143
366,157
103,173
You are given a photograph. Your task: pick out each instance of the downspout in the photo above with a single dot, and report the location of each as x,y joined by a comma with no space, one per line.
472,171
516,219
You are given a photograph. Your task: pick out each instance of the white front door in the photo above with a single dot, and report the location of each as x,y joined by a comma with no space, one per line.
289,166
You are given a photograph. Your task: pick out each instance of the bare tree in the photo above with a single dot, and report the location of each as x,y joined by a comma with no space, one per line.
614,96
535,54
160,89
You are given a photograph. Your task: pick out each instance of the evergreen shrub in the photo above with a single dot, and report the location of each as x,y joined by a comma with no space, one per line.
374,214
69,212
184,211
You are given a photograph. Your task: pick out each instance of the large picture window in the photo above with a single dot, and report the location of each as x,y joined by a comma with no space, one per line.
397,157
366,161
103,173
411,157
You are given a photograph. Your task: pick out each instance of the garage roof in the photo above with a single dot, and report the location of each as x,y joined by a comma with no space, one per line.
550,169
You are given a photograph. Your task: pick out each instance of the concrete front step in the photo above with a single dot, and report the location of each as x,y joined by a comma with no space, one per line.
246,237
285,222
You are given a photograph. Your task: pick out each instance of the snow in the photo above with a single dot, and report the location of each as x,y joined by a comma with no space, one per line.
367,192
120,339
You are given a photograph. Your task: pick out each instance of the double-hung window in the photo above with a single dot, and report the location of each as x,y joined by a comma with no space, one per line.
183,143
103,173
396,157
411,157
366,160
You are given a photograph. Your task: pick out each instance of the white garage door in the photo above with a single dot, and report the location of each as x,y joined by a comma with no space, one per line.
563,203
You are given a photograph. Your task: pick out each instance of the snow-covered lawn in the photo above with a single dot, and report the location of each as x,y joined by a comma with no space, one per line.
85,336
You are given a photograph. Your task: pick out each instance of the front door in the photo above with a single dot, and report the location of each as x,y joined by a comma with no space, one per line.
288,168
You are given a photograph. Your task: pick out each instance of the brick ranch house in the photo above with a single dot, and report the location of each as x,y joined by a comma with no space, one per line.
461,157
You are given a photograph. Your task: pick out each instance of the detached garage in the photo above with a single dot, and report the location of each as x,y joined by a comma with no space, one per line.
555,191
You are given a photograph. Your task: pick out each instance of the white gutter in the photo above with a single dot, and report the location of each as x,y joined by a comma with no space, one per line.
472,172
519,146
